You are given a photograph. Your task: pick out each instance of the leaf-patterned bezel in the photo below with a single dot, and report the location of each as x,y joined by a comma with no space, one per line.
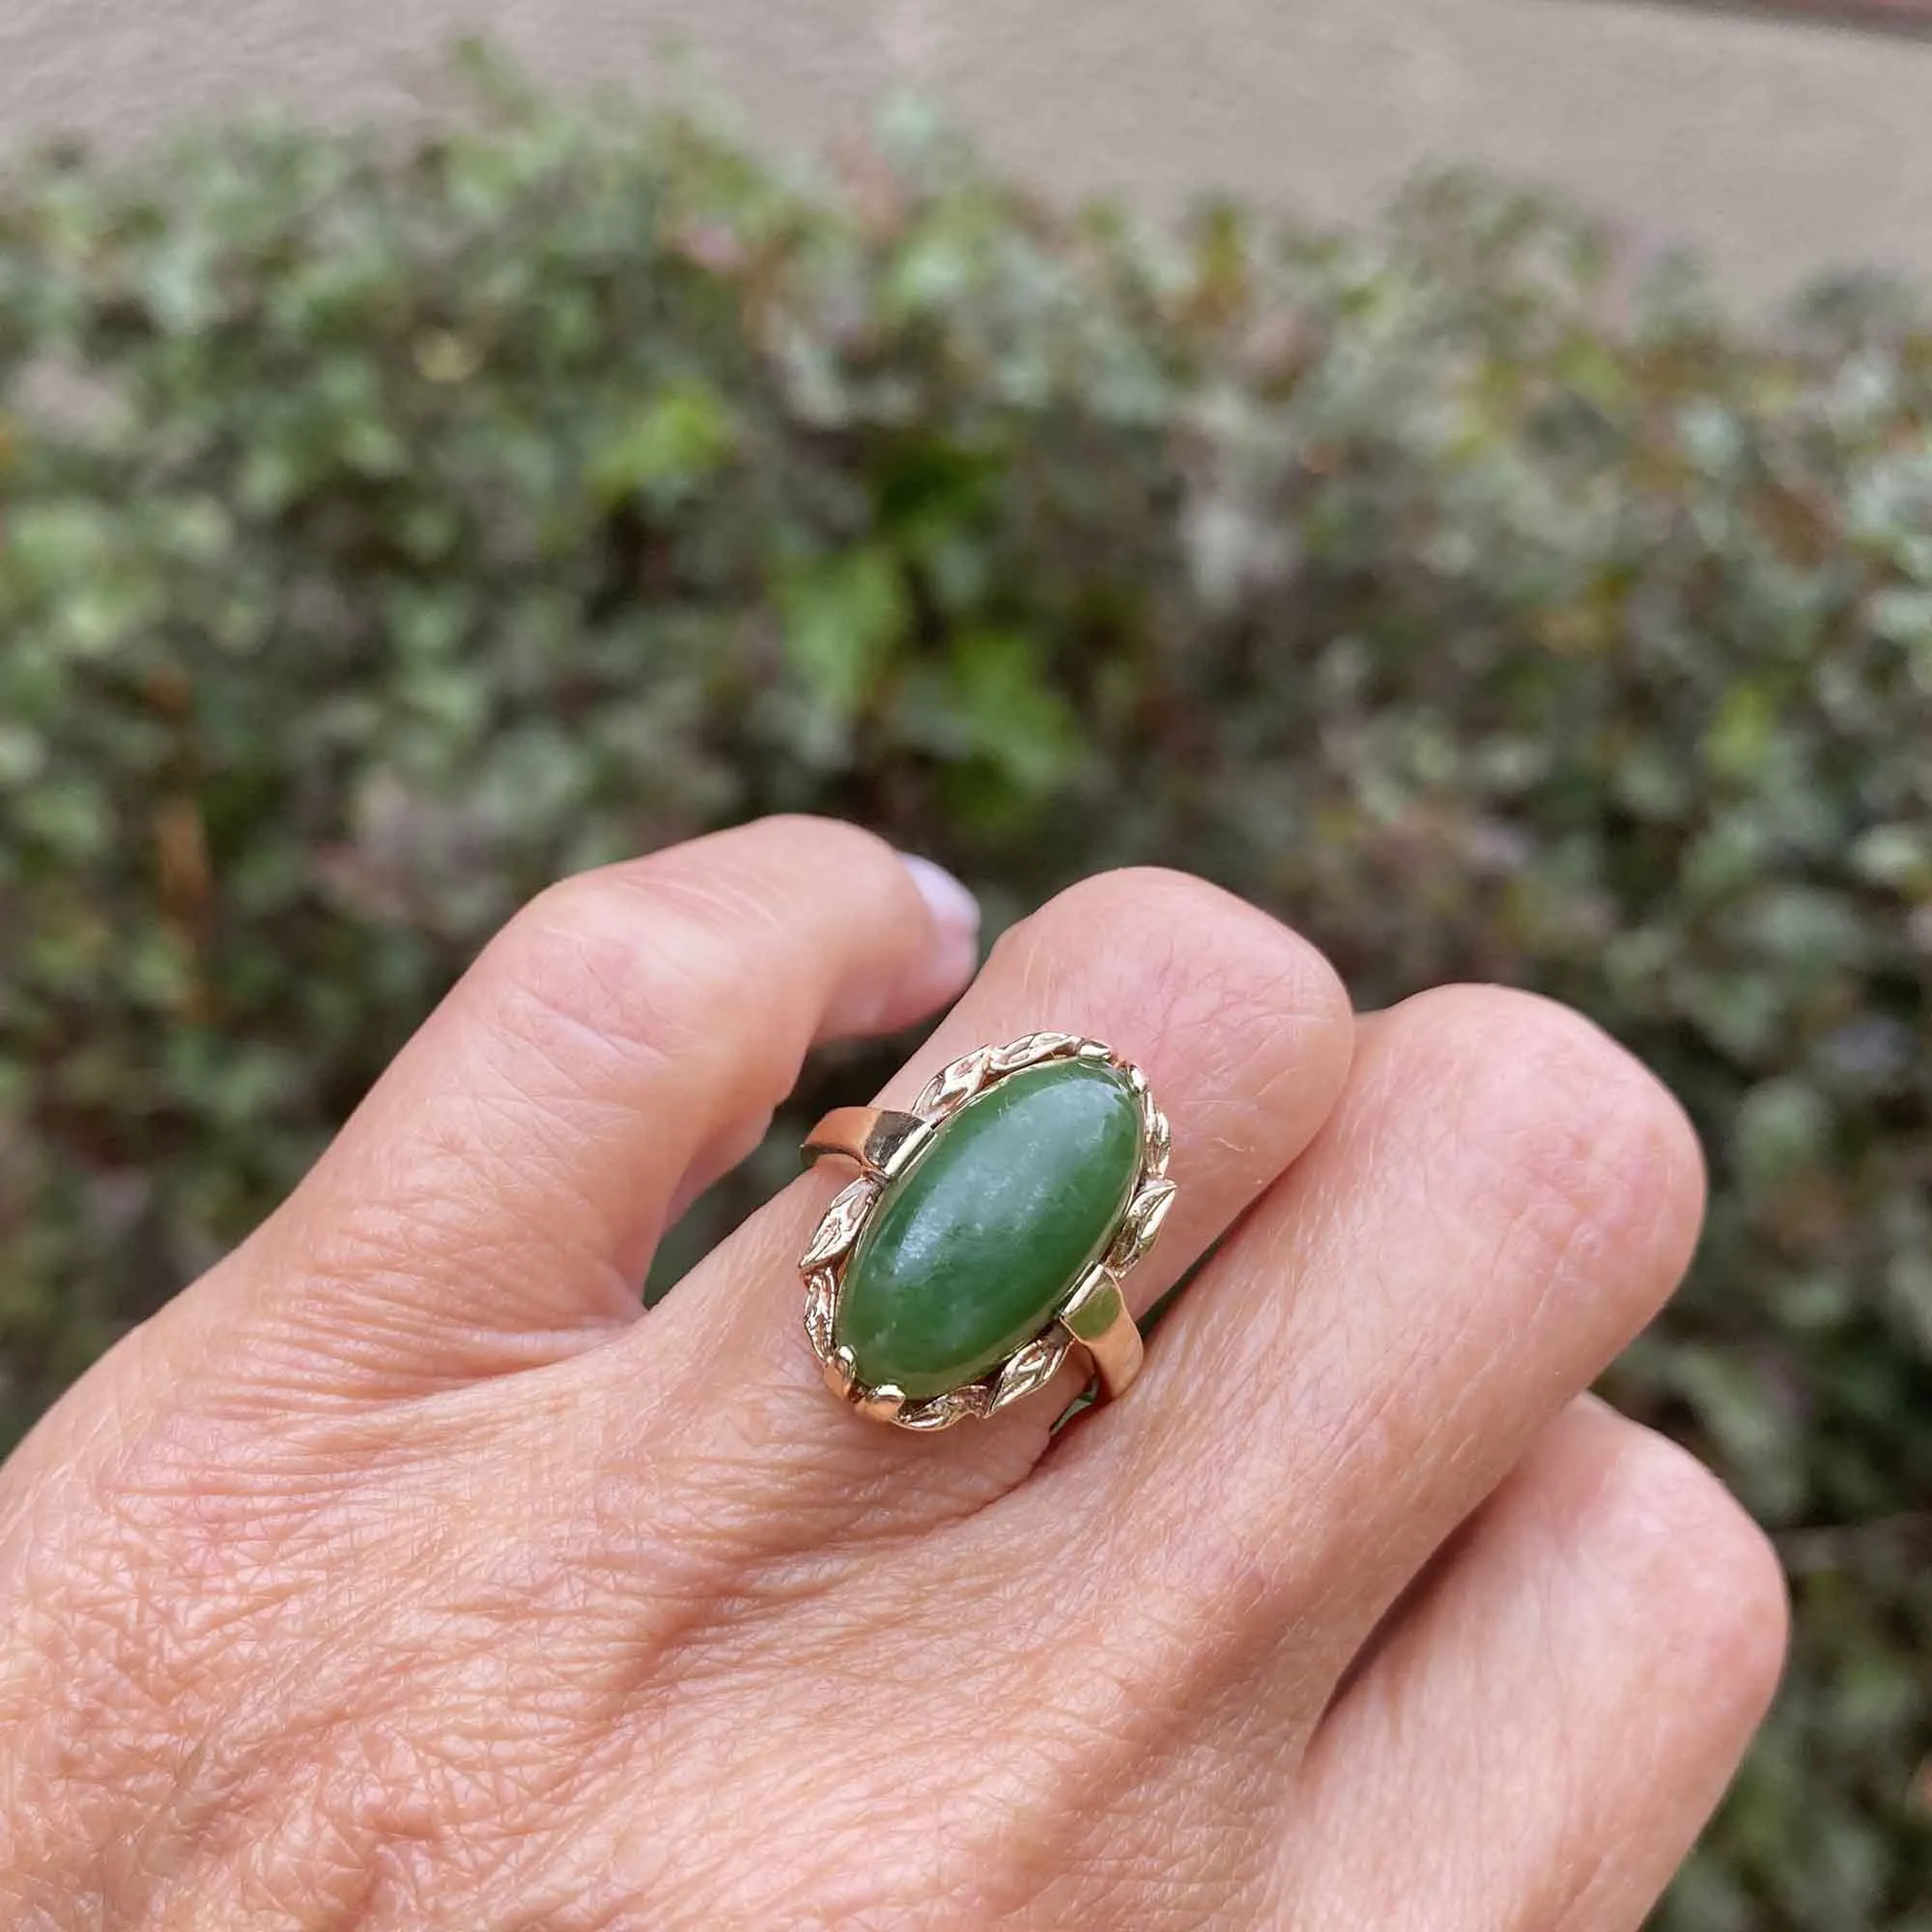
1038,1359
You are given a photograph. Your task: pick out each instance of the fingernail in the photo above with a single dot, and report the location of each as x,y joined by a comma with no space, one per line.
953,909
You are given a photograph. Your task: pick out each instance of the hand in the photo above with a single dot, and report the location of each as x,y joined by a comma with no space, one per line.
398,1575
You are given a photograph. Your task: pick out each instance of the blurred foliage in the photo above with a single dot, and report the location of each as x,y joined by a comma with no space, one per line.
390,525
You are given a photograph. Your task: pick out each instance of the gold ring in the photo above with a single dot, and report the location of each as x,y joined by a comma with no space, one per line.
989,1233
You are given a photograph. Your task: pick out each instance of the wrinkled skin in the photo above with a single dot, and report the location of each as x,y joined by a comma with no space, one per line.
400,1574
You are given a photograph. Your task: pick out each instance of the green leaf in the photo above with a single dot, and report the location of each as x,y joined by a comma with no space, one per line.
1740,736
843,619
1012,717
683,437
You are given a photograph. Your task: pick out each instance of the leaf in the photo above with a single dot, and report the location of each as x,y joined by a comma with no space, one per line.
1741,735
1012,718
1030,1369
955,1083
843,619
1783,1124
1139,1226
683,437
840,1224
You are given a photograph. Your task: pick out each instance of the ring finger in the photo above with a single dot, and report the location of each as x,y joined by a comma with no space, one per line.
1501,1198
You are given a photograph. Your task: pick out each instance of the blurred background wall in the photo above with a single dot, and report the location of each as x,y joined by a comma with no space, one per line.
1774,148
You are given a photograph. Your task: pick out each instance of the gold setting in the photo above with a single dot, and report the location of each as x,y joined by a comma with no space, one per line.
882,1142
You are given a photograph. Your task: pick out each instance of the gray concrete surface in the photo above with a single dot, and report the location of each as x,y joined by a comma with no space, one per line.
1774,148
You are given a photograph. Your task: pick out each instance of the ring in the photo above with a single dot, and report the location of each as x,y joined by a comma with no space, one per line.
989,1233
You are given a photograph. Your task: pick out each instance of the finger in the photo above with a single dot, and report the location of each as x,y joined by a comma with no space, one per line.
626,1036
1243,1031
1553,1717
1500,1198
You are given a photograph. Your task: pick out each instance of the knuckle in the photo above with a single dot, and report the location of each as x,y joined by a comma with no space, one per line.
618,963
837,841
1148,902
1707,1580
1180,960
655,959
1585,1151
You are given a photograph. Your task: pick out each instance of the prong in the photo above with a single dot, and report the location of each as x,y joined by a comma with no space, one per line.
883,1403
840,1373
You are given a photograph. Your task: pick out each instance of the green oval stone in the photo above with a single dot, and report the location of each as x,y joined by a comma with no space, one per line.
969,1251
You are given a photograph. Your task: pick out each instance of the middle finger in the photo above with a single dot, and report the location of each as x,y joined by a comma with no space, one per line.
1501,1198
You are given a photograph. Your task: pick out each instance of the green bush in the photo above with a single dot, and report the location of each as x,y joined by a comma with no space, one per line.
389,524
